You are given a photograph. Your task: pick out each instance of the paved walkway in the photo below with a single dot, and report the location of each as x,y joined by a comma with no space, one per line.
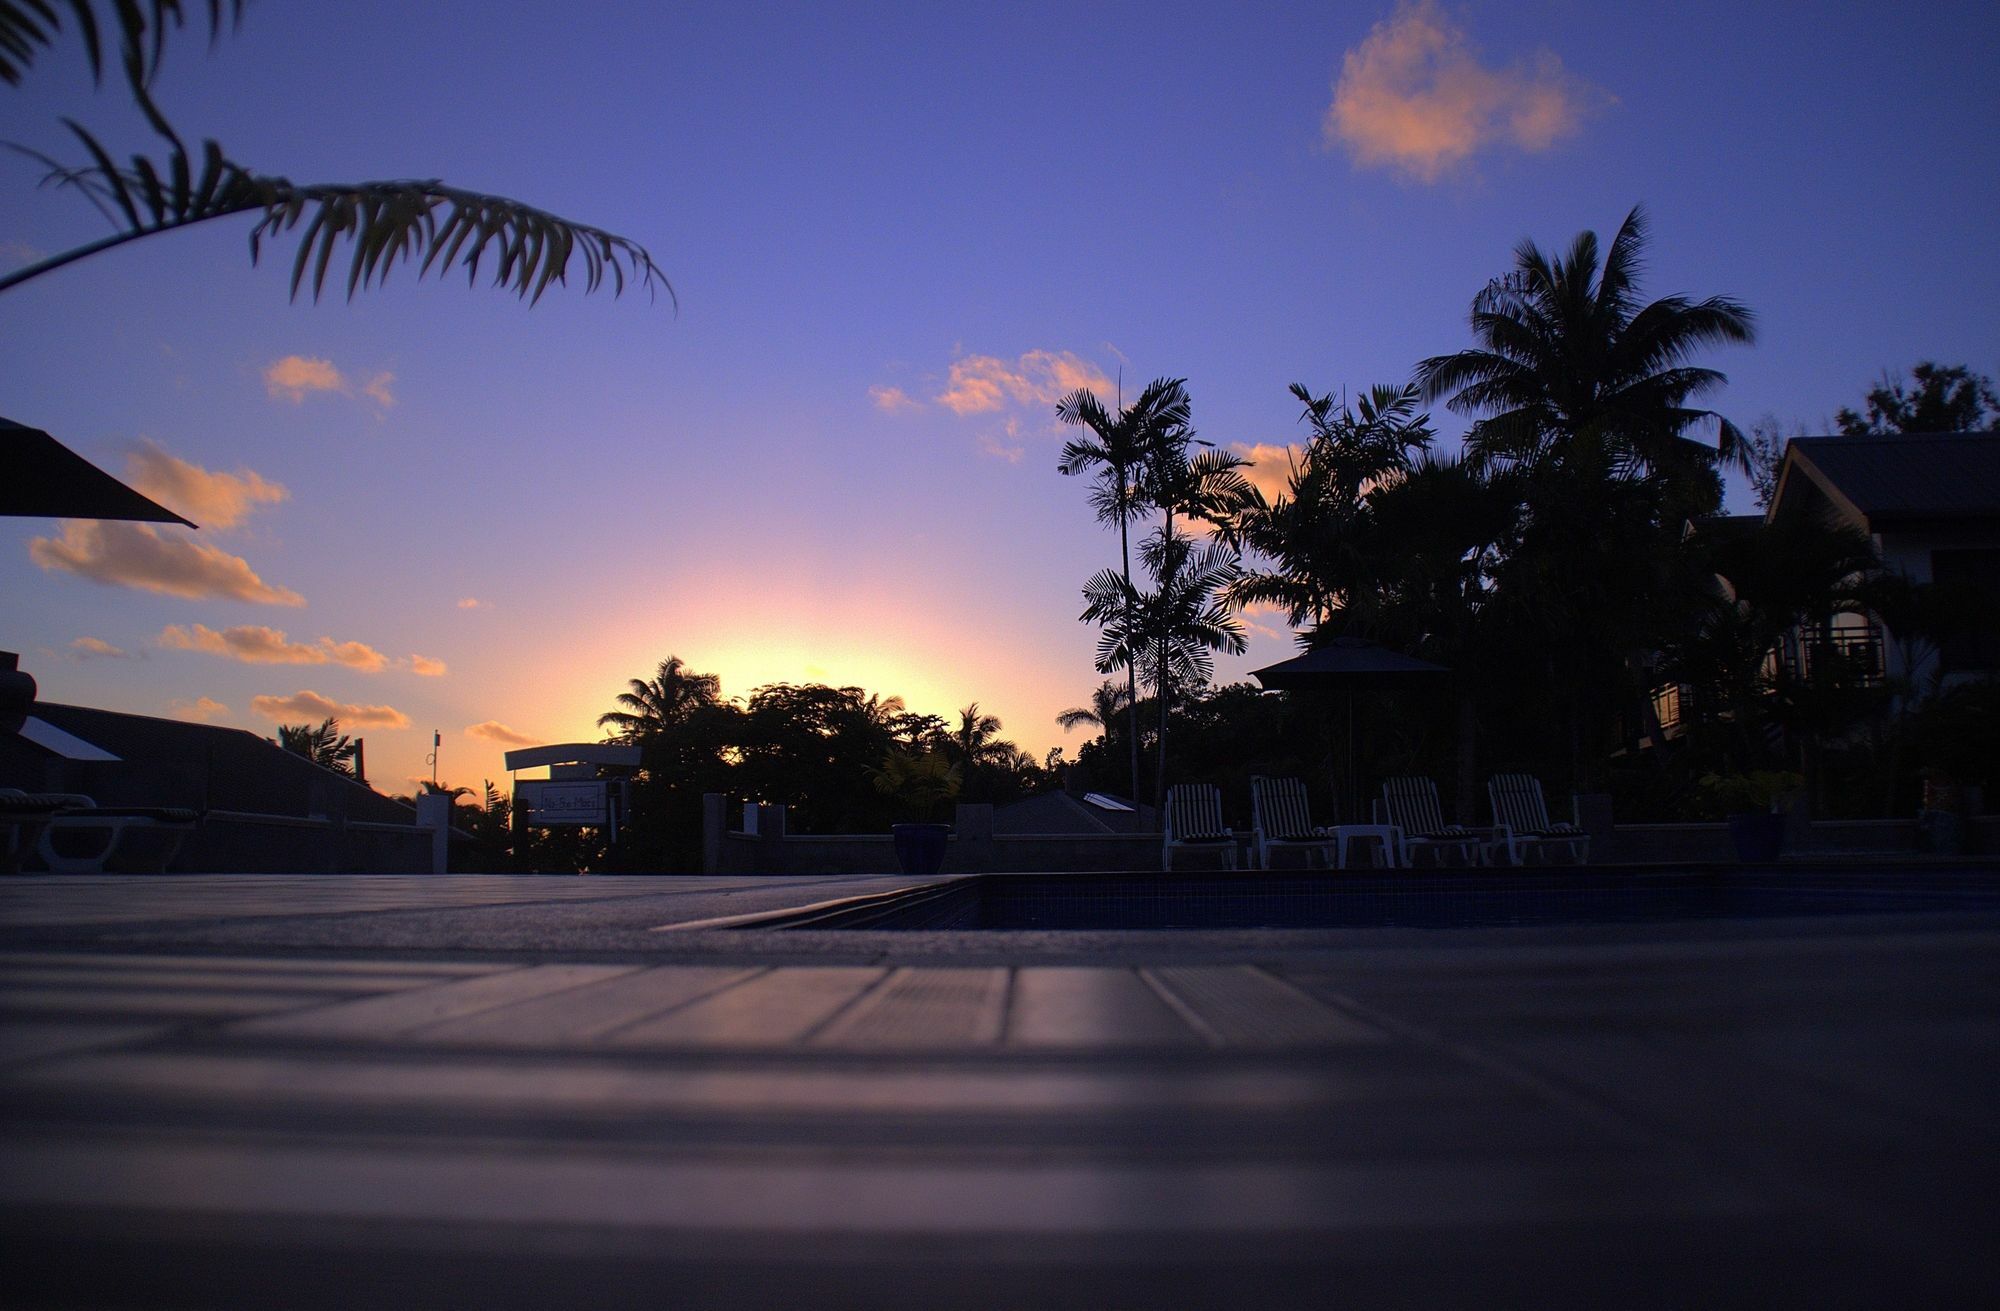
490,1091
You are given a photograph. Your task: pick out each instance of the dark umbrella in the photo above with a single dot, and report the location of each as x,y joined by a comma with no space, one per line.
1350,665
42,478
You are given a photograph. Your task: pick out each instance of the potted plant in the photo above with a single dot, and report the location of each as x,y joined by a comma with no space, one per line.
1749,804
922,785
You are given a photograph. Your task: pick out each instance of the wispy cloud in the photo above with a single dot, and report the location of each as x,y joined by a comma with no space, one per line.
138,555
982,384
19,252
199,710
471,603
88,648
295,377
310,706
493,730
212,499
892,400
1003,450
425,667
1270,466
1253,614
254,644
1414,96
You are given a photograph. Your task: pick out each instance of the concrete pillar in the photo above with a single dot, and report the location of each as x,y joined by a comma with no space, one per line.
434,813
714,820
771,840
972,850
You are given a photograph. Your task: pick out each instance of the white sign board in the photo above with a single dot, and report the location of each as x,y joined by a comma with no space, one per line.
553,803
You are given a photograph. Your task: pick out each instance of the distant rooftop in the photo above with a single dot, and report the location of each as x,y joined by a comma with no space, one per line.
1901,477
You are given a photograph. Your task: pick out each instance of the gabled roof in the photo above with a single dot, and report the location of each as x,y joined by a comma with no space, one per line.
1059,812
171,762
1883,480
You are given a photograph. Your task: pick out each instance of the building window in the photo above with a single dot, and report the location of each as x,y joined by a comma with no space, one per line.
1969,584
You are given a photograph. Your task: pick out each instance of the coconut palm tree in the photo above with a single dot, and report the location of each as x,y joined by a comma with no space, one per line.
1571,368
1106,704
325,745
379,224
1117,450
667,700
976,740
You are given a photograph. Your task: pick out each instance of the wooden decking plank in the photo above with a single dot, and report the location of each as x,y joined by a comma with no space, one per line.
1064,1006
1242,1006
112,961
413,1008
28,1040
195,979
773,1009
578,1015
194,1003
925,1006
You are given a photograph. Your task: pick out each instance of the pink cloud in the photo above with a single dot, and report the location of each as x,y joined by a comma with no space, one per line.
494,731
141,556
214,500
892,400
88,647
254,644
199,710
1415,97
310,707
981,384
425,667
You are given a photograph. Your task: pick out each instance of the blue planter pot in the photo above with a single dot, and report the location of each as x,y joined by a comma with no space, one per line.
1759,836
920,847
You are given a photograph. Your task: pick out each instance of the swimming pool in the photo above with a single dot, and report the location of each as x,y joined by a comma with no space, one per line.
1418,900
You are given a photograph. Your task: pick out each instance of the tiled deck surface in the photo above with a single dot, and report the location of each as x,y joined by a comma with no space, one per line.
495,1092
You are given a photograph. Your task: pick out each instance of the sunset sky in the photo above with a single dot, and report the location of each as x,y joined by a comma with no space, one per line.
897,236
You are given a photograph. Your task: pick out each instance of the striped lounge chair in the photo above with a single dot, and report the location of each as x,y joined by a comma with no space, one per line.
1281,820
1194,823
1412,806
1522,817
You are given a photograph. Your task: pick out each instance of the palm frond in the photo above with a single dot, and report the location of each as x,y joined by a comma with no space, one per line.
28,27
378,224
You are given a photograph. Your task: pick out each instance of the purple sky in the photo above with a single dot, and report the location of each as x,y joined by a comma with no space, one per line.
895,236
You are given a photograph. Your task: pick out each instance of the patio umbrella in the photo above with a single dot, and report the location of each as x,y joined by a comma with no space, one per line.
1349,665
42,478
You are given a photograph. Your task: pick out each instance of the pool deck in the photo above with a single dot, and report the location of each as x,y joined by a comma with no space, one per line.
514,1091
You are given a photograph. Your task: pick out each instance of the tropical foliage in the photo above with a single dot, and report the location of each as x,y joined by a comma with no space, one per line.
378,224
325,745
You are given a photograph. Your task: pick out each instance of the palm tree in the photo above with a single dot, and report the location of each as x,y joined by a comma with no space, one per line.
1317,536
1207,487
1117,450
977,738
667,700
1173,628
1572,369
1106,703
381,224
326,746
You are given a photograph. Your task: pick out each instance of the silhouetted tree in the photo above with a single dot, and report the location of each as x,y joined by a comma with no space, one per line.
1937,399
325,745
1116,451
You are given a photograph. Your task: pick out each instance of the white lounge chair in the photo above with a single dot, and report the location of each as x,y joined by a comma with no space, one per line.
1281,820
1411,804
1522,817
1194,823
164,827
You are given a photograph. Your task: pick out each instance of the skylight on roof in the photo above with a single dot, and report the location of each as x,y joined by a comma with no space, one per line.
1103,802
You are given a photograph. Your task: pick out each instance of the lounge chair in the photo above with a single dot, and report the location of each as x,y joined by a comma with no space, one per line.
23,816
1281,820
1194,823
165,827
1411,804
1522,817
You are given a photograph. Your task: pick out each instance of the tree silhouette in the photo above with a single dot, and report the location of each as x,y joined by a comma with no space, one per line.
1938,399
1572,369
325,745
1116,451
